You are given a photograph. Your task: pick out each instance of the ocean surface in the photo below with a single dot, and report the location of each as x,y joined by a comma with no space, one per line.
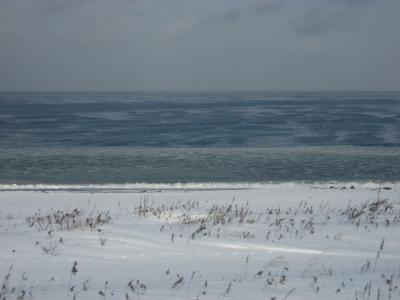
199,137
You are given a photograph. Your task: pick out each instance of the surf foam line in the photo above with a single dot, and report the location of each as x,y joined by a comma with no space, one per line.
196,186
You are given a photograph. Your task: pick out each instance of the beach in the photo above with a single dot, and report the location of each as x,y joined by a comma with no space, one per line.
273,241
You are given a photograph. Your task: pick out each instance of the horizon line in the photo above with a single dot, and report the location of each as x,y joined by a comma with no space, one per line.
207,91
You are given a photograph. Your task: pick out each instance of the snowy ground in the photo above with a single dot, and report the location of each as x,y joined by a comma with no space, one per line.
278,242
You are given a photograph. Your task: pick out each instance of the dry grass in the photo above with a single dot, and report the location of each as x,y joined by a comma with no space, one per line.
67,220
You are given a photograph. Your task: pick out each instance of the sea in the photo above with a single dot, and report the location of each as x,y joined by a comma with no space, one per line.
199,139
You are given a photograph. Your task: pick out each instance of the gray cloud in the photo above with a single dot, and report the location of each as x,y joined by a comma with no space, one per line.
239,13
319,21
319,17
200,45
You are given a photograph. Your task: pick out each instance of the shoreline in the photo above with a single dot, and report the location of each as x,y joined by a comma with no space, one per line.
196,186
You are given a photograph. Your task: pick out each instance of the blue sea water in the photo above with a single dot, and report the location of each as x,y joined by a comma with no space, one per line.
169,137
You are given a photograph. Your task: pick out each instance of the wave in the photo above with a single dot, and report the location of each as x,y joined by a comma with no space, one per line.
141,187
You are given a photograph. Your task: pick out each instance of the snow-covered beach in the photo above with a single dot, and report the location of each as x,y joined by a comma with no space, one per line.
289,241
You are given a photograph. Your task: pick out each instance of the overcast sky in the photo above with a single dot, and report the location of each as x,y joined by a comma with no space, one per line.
64,45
